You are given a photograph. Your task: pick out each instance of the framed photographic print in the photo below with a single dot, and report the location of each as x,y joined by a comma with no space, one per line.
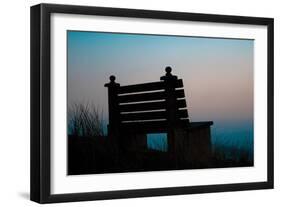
132,103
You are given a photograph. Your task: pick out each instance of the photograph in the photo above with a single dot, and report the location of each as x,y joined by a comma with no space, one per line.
153,102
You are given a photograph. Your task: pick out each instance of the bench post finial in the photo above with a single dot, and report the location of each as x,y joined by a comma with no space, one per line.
169,77
113,111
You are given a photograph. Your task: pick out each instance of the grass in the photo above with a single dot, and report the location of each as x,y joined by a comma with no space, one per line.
85,120
233,149
228,156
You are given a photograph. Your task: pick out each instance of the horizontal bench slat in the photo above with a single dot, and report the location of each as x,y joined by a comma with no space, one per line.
152,96
182,113
149,106
144,116
143,106
180,93
142,97
153,86
152,115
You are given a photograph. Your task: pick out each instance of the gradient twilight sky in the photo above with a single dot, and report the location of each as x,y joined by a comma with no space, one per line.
217,73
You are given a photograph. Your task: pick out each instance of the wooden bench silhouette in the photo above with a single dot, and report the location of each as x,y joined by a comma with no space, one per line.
155,107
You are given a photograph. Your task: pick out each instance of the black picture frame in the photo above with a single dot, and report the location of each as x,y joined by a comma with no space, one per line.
40,176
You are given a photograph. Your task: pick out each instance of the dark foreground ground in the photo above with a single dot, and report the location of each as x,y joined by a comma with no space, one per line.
98,155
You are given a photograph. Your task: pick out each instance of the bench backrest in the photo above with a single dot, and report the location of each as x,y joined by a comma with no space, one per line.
147,107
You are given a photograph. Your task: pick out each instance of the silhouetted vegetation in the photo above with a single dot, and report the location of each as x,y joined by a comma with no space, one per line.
85,120
231,156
